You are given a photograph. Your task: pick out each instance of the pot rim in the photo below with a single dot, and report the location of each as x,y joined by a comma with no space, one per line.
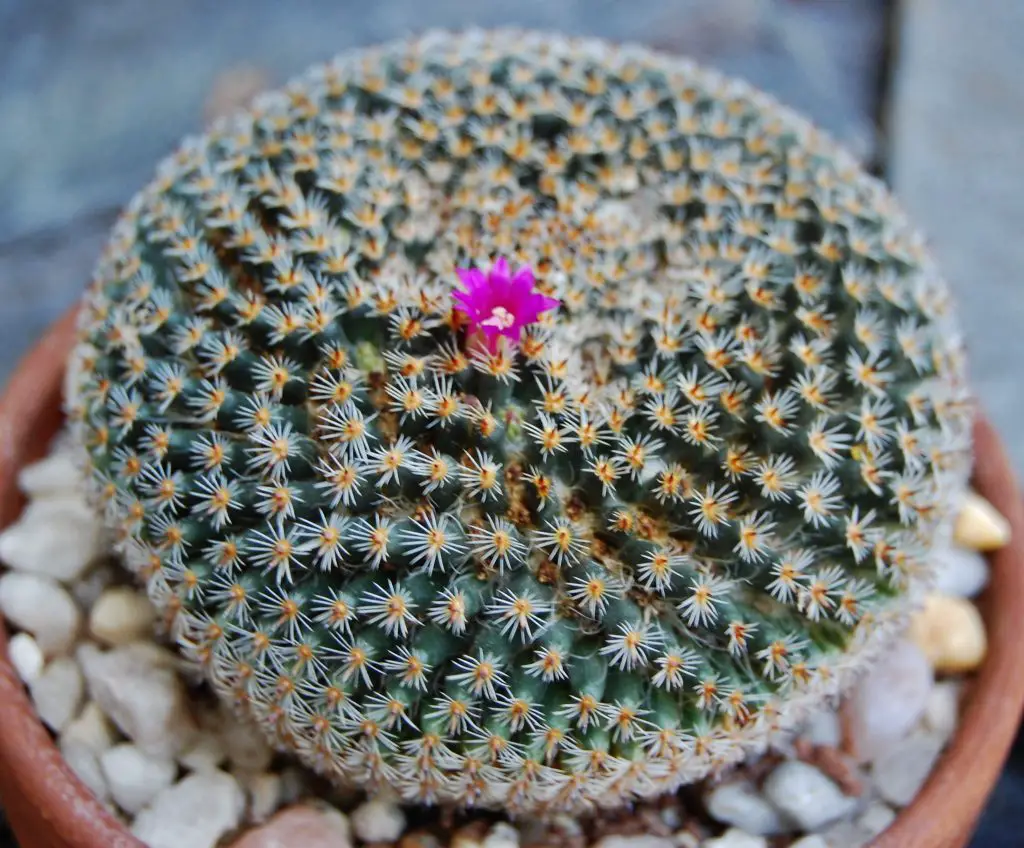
49,807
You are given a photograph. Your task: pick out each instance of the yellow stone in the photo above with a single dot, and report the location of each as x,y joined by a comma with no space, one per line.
950,632
979,526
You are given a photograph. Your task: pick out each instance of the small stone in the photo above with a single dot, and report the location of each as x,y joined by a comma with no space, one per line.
686,839
951,633
812,840
642,840
88,588
57,692
502,835
84,762
246,748
26,656
806,796
942,714
736,838
901,772
959,571
195,812
420,839
672,817
980,526
294,784
121,615
53,476
147,702
150,653
740,805
306,825
846,834
134,777
53,537
876,818
90,728
264,792
378,820
834,763
823,728
888,701
43,608
469,835
206,752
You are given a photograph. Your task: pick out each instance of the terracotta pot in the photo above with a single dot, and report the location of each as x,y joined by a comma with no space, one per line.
49,808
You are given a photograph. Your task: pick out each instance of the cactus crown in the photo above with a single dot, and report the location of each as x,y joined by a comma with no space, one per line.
567,563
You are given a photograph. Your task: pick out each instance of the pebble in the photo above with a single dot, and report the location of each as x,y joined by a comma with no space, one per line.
422,839
244,745
876,818
736,838
53,537
57,692
54,475
43,608
888,701
206,752
643,840
120,616
942,713
823,728
806,796
90,728
959,571
150,653
85,763
134,777
740,805
470,835
846,834
294,784
26,656
979,525
672,817
502,835
147,702
812,840
901,772
378,820
265,792
306,825
88,588
195,812
951,633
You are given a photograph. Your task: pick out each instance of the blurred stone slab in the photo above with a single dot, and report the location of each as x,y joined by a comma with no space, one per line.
957,132
94,93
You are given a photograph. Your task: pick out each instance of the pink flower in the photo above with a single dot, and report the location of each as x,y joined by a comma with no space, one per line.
499,304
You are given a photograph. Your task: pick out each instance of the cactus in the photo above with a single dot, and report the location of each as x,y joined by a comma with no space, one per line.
521,421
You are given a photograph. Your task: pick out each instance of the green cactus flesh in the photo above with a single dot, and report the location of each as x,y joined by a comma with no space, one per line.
587,567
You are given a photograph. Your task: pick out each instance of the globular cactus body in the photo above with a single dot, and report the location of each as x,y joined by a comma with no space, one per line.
544,566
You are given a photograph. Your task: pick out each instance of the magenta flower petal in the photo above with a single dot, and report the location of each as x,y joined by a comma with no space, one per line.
498,303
